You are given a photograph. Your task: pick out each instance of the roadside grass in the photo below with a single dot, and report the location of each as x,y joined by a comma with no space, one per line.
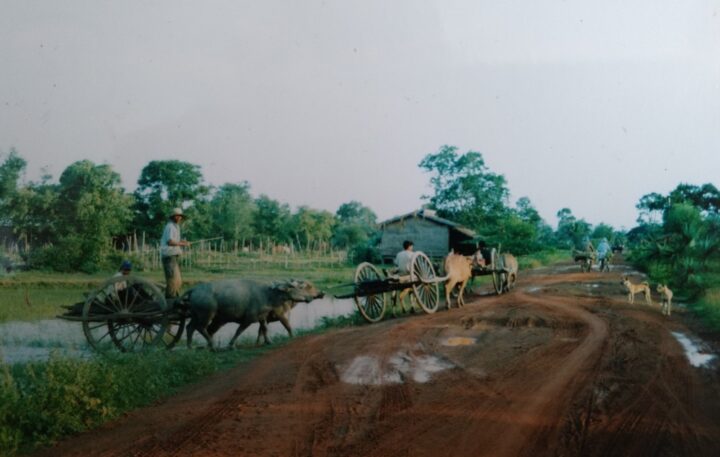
41,402
34,295
708,308
542,258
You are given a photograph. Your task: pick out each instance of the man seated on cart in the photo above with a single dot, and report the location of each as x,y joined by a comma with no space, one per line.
403,262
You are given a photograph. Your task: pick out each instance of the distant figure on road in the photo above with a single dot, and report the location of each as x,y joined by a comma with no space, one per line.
171,245
603,249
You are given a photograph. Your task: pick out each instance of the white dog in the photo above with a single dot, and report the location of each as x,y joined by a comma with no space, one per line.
665,299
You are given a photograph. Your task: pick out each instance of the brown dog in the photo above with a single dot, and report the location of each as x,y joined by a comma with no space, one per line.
633,289
665,299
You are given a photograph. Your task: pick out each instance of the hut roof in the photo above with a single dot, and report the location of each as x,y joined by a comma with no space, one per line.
430,215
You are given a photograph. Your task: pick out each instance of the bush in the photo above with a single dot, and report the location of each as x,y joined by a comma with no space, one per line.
41,402
364,253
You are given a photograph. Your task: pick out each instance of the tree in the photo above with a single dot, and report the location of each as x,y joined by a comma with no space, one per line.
10,172
603,231
571,231
162,186
90,209
231,212
705,197
31,211
355,212
465,190
355,224
311,226
272,220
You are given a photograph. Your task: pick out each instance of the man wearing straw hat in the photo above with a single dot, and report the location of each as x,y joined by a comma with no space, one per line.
171,245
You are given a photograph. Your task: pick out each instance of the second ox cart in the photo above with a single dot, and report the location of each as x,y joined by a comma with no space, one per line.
374,289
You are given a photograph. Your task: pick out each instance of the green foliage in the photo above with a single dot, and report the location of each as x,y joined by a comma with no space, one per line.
90,209
310,226
355,225
683,251
465,190
162,186
272,220
364,252
353,320
571,231
603,231
32,212
41,402
705,198
10,171
232,211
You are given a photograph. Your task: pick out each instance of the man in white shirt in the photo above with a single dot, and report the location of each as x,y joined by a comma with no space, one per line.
404,258
171,245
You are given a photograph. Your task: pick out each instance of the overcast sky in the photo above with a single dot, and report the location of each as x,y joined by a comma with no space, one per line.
580,104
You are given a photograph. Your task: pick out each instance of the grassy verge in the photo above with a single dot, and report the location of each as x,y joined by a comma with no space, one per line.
36,295
41,402
542,258
708,308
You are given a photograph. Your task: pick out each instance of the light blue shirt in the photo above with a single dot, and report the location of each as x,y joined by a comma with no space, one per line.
171,232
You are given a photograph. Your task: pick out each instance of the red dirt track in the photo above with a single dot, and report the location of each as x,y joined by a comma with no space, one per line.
560,366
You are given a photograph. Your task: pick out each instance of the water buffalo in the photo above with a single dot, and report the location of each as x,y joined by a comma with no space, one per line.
244,301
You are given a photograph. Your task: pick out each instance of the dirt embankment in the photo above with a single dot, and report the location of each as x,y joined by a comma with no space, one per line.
561,366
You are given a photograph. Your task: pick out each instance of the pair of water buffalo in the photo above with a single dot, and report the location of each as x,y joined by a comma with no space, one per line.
214,304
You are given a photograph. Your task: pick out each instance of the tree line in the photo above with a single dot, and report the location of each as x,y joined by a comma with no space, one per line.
77,222
71,223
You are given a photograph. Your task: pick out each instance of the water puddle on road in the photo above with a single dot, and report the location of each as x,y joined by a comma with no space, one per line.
458,341
696,356
369,370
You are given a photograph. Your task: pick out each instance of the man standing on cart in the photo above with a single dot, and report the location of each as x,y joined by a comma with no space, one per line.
171,245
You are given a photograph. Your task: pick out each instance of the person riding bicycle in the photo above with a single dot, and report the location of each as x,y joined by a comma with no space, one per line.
604,252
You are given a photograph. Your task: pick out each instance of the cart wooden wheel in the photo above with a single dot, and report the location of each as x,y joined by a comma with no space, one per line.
127,312
424,284
372,307
175,328
498,274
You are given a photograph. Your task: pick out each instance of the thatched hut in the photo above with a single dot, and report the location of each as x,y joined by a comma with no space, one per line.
430,234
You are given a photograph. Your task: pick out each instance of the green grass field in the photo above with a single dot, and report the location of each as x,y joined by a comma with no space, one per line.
39,295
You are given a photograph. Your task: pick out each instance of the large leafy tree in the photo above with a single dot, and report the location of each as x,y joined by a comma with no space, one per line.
705,198
10,171
272,220
162,186
465,190
90,209
230,213
311,226
571,230
31,211
355,224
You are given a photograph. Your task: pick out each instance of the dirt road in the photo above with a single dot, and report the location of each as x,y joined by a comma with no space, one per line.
560,366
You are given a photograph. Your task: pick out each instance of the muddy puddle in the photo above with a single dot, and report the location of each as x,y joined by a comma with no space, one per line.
694,350
401,367
36,340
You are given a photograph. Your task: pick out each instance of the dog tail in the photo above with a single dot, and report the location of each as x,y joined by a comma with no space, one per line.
646,283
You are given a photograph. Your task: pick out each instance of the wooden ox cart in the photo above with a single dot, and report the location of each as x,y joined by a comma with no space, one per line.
128,313
373,288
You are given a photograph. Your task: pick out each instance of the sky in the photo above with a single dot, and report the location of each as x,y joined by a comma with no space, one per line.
580,104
